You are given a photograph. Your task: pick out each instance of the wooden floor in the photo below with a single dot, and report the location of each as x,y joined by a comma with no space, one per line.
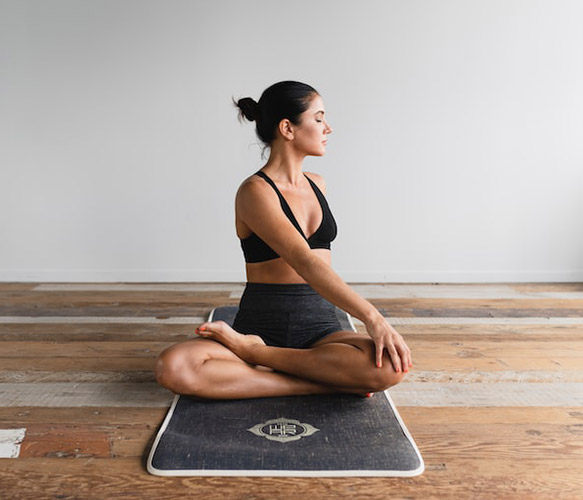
495,400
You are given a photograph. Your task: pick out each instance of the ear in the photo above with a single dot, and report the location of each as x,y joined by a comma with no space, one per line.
286,129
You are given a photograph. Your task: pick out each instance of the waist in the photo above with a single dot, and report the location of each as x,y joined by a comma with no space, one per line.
272,297
279,271
285,289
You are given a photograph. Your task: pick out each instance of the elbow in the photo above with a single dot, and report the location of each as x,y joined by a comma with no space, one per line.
303,263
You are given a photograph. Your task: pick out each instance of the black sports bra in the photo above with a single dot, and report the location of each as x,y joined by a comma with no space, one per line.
256,250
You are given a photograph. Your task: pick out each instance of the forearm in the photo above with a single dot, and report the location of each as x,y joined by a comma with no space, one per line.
322,278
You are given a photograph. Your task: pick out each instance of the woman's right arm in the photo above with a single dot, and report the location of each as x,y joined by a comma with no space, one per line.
259,207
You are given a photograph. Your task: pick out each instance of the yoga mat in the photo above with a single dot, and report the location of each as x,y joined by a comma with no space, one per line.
323,435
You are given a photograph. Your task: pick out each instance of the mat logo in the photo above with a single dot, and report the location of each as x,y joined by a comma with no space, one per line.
283,430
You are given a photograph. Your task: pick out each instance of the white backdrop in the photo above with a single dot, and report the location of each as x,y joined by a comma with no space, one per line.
457,151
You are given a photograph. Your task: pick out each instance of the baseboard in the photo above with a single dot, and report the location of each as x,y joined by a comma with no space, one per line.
226,276
122,275
574,276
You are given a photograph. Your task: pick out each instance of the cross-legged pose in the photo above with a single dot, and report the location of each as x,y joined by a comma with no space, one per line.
286,339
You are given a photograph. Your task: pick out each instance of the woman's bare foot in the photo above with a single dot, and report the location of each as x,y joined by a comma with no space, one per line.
236,342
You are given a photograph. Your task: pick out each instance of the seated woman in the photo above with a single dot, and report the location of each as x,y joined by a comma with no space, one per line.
286,339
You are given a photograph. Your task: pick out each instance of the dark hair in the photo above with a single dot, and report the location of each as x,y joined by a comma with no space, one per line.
286,99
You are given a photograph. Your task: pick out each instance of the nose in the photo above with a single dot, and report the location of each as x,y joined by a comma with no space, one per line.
328,129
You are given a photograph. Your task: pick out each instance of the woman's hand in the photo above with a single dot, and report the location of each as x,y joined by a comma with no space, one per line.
386,337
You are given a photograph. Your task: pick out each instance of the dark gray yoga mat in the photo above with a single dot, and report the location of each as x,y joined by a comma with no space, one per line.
325,435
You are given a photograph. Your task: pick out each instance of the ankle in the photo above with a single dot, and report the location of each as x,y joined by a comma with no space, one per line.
251,353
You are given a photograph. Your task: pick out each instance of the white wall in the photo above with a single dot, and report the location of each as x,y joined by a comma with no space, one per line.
457,151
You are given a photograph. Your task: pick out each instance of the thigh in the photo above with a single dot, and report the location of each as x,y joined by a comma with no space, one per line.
357,339
360,341
199,350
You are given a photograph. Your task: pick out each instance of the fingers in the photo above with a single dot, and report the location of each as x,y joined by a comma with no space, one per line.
386,337
403,361
394,356
379,348
403,352
399,354
405,355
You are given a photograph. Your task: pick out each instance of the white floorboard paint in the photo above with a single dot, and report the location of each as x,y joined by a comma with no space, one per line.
177,320
484,321
389,291
73,394
10,441
488,394
559,394
440,320
494,377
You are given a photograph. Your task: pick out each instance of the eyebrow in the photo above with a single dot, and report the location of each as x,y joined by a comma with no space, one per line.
320,111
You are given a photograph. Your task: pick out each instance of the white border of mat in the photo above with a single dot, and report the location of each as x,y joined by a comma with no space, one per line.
286,473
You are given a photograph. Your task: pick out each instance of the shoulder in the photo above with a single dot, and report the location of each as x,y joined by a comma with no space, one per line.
254,190
318,180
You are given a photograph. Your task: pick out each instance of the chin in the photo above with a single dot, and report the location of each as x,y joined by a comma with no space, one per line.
316,150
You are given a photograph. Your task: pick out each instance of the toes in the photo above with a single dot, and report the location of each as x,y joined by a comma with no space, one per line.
213,327
203,329
217,326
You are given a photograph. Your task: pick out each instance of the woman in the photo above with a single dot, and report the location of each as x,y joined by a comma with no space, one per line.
286,339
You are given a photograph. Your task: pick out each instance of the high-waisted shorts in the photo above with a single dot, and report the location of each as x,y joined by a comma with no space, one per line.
285,315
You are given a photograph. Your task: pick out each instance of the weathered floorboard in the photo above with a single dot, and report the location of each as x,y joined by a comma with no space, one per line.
125,477
494,402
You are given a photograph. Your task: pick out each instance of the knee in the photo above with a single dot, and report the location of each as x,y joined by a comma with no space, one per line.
373,378
167,368
380,379
173,370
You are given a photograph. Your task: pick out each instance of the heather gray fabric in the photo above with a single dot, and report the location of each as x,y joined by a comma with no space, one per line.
293,315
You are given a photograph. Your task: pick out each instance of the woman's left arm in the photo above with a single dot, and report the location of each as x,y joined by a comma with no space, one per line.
332,287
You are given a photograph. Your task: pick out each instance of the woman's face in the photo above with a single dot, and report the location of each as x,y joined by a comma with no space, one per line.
311,135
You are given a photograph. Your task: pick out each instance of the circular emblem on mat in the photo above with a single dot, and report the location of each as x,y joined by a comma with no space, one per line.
283,430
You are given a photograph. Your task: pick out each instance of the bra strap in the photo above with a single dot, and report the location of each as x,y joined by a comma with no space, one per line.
284,205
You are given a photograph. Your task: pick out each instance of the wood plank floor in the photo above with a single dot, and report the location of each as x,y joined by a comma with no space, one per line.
494,402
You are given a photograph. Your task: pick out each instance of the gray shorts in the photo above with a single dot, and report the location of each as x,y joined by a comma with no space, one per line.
285,315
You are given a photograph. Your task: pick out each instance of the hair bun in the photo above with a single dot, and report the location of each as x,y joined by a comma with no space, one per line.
249,108
287,99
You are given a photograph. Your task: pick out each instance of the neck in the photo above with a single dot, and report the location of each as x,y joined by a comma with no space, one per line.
285,164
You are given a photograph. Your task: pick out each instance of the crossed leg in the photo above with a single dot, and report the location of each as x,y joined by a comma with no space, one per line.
207,369
228,365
